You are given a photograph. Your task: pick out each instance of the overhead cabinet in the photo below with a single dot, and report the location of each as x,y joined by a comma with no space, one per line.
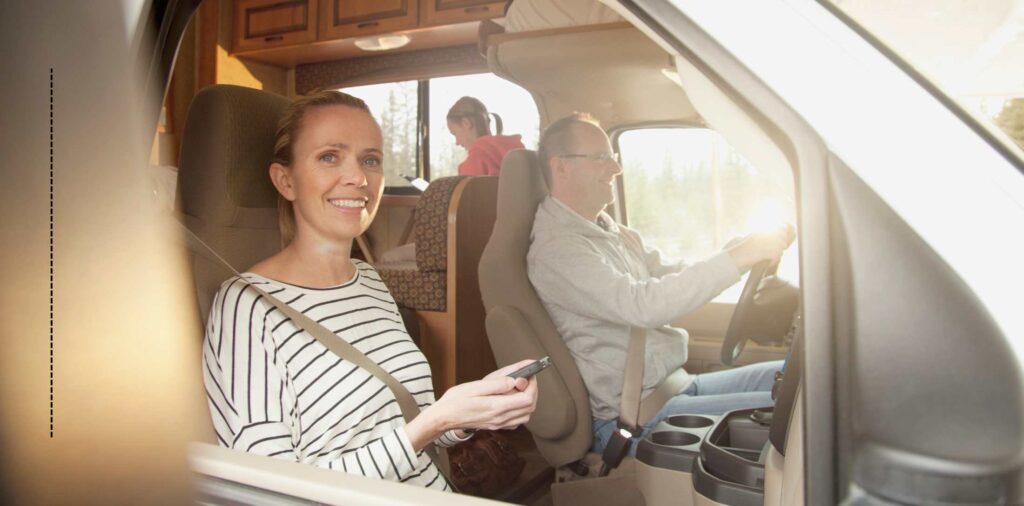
268,24
273,23
341,19
447,12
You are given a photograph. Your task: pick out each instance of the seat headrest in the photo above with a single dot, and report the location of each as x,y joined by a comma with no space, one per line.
225,154
521,191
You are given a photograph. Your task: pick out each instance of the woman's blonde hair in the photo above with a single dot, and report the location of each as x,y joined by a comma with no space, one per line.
288,130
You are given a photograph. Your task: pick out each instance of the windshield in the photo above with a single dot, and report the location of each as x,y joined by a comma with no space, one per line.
973,50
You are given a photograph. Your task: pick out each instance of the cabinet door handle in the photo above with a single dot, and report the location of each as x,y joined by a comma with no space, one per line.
273,38
367,24
476,10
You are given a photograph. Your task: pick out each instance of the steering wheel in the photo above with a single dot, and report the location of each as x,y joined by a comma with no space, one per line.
765,307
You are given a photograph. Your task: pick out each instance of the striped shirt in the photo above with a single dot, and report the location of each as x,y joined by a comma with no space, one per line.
274,390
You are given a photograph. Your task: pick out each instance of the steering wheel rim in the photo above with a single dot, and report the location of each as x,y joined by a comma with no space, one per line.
735,338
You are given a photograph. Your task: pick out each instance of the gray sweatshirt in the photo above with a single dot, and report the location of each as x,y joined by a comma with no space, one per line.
596,284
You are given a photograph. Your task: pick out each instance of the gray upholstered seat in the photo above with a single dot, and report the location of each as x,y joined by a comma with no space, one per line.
224,191
519,327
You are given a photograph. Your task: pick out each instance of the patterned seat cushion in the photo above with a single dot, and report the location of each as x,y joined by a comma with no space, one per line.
423,286
432,224
417,289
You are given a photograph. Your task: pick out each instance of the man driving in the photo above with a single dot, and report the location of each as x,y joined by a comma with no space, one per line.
597,279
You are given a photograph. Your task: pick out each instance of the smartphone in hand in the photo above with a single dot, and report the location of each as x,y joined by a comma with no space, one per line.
527,371
531,369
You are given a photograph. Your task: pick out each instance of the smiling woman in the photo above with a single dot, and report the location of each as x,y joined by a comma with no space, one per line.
353,121
273,388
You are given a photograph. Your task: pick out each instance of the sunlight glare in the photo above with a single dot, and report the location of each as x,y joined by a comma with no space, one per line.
767,216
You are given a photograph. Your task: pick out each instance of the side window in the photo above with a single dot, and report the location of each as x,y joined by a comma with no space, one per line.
397,108
689,193
394,105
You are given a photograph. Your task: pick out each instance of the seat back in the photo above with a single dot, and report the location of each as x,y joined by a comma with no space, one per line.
431,227
424,286
519,327
224,190
453,221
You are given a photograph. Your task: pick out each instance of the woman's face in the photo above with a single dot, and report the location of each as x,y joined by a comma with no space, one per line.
336,178
462,129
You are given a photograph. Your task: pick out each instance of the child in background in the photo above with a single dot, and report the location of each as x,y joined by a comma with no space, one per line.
470,123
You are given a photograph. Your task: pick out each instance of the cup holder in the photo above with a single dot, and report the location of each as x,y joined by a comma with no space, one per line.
674,438
689,421
675,443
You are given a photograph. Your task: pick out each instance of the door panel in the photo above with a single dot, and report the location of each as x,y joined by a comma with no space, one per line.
930,388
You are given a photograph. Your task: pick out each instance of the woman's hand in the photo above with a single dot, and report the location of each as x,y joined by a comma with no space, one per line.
492,403
509,369
527,385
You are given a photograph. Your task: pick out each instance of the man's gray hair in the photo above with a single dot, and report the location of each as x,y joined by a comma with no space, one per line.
557,140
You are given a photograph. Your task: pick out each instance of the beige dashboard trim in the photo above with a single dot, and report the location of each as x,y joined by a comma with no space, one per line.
313,483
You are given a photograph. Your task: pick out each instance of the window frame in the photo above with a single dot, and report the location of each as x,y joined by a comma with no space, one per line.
422,123
620,212
987,132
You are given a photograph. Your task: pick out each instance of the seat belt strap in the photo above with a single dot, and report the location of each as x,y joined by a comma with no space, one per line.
340,347
633,380
633,414
634,411
629,424
668,388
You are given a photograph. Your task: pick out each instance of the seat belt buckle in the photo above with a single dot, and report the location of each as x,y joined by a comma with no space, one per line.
618,447
777,384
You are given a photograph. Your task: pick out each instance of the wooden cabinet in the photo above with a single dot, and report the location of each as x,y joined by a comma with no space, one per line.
341,19
261,24
287,32
447,12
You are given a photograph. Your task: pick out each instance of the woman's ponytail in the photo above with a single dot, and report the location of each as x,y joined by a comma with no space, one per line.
476,112
498,127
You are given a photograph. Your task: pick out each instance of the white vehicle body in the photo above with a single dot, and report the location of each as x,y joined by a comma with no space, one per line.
787,82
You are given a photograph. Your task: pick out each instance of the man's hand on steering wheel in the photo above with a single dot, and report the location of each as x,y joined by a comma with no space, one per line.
758,253
761,247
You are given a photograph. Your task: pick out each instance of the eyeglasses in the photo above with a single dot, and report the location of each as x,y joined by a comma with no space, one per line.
599,158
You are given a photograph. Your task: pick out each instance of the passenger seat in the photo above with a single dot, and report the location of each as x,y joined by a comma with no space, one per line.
224,191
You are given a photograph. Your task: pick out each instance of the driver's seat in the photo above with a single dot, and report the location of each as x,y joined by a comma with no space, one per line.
519,327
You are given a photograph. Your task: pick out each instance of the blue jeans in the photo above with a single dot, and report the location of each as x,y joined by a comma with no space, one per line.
712,393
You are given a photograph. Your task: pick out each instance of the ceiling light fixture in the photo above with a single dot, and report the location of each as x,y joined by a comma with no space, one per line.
382,43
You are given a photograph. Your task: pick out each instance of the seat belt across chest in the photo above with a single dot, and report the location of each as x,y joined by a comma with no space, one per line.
634,411
406,403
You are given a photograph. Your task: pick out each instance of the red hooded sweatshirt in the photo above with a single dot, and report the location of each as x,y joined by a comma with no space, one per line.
486,153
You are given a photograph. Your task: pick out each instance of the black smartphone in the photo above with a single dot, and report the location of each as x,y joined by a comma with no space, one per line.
532,368
527,372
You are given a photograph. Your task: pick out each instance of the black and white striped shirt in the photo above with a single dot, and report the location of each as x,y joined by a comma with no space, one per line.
274,390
